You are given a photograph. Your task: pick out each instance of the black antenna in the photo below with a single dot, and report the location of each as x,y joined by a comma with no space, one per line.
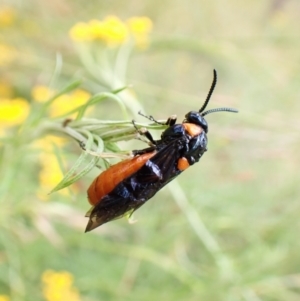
220,110
211,90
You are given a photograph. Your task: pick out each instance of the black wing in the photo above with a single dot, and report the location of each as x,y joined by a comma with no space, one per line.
135,190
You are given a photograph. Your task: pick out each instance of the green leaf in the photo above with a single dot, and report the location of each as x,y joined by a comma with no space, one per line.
73,174
98,98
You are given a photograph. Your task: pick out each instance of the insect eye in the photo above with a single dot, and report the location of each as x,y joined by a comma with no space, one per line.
192,117
197,118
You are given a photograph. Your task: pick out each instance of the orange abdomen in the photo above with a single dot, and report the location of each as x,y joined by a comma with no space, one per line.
114,175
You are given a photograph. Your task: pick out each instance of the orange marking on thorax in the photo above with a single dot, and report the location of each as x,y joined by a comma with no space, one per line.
182,164
114,175
192,129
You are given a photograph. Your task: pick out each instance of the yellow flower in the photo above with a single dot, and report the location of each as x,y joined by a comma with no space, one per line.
80,96
13,111
68,102
81,32
140,27
4,298
7,54
7,16
96,29
58,286
41,93
59,279
50,173
46,143
114,31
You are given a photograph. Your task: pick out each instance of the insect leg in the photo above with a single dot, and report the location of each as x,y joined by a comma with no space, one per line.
146,133
171,120
151,118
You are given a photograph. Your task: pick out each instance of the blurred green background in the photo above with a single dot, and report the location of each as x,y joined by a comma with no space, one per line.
228,228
